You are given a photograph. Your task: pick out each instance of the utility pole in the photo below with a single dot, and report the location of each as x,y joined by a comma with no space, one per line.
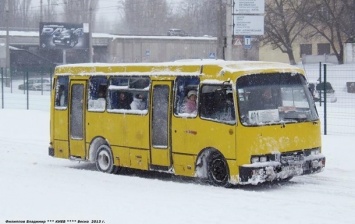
7,60
41,15
90,33
220,38
229,29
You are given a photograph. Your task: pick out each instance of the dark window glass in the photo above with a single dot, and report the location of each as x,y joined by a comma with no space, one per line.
216,103
128,93
97,93
76,113
61,94
306,49
323,49
274,98
160,116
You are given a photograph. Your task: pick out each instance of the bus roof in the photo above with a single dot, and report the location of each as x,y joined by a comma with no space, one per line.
212,68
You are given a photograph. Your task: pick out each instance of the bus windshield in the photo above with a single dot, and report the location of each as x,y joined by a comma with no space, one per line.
265,99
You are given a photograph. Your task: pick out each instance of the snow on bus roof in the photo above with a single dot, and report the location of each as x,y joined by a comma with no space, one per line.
173,68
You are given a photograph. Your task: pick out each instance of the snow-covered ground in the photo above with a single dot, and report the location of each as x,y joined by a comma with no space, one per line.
37,187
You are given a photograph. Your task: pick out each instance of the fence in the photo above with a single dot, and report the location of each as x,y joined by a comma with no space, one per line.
25,89
337,117
338,112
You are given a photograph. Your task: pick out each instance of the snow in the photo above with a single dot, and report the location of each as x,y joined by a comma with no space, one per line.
110,36
37,187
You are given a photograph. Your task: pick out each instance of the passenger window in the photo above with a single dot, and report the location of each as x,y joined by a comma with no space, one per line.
186,96
129,94
61,92
217,103
97,93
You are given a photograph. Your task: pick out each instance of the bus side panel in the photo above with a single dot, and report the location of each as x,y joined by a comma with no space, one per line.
190,136
121,156
96,124
139,159
61,149
184,164
233,171
59,129
61,125
125,130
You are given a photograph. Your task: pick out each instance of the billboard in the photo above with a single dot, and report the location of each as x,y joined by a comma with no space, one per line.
63,35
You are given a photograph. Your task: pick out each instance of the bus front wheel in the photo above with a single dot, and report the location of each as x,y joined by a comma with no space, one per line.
217,169
104,160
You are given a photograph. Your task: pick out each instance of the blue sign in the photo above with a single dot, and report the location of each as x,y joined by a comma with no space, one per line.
247,42
212,55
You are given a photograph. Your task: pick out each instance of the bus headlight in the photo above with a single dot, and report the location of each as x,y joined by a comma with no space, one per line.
263,159
315,152
256,159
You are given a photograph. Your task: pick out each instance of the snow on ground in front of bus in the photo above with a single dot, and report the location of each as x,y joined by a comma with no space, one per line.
35,186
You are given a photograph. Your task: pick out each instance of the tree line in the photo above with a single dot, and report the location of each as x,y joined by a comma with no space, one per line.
286,21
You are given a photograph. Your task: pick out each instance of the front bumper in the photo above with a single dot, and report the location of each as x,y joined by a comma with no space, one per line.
270,171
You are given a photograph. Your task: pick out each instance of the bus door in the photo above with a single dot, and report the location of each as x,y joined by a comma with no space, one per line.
76,119
160,124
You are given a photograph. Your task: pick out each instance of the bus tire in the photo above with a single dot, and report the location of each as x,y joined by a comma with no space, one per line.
104,160
217,169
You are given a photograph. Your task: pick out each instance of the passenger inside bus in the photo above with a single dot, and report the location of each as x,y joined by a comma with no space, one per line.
123,101
190,105
138,102
267,100
97,100
61,97
262,99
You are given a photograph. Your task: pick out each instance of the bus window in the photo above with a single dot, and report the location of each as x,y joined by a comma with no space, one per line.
61,94
217,103
128,93
267,99
185,87
97,93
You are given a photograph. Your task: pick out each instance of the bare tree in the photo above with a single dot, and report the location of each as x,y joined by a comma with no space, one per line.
283,25
198,17
20,14
145,17
80,11
329,19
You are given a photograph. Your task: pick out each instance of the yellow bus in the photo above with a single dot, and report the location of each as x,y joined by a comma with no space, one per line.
227,122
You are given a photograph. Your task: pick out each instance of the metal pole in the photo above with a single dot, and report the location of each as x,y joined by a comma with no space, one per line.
2,87
229,29
90,34
10,81
220,37
320,83
7,63
41,15
50,78
325,99
41,82
28,91
64,56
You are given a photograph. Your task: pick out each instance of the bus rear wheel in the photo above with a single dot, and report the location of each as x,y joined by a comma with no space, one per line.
104,160
217,169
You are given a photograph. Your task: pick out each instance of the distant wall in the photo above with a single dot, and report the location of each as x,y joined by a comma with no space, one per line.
326,58
159,49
